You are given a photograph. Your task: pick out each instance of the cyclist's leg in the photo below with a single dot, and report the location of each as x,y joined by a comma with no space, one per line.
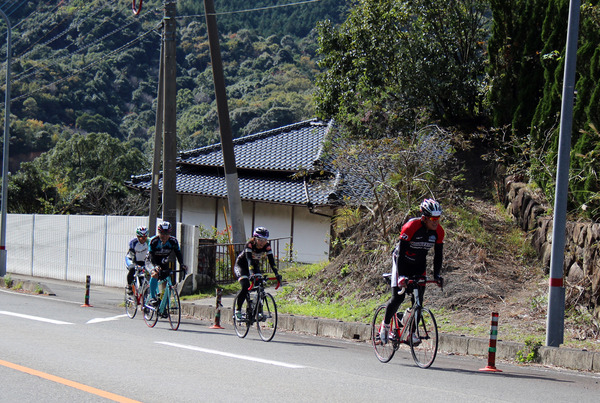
393,304
383,351
242,273
154,284
164,282
131,275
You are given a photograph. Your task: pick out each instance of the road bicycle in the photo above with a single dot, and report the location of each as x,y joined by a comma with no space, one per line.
135,297
420,322
168,304
259,307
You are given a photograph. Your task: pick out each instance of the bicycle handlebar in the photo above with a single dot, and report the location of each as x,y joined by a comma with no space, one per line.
419,281
256,277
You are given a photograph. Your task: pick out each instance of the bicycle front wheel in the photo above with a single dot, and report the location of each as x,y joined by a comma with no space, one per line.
174,308
266,317
130,304
425,349
150,314
241,325
384,352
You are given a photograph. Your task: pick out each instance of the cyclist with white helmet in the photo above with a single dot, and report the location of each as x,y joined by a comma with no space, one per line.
136,255
159,251
417,237
248,263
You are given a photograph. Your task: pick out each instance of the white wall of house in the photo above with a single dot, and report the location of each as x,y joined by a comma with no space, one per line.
309,232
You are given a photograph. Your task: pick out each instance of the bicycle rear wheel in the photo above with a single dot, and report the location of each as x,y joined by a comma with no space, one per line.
384,352
266,317
174,308
130,304
241,326
425,350
150,314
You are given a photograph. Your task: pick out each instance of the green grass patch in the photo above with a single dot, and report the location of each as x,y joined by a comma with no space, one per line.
344,310
211,291
298,271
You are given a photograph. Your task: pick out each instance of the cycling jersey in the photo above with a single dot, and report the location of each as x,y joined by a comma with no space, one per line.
159,251
410,255
137,253
250,258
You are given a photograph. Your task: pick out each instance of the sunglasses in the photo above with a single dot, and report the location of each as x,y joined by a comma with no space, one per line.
433,218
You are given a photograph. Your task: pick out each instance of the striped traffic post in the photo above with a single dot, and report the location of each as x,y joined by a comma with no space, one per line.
217,324
491,367
88,280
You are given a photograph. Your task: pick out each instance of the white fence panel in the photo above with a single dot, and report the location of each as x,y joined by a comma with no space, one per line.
120,230
72,247
86,247
19,256
50,239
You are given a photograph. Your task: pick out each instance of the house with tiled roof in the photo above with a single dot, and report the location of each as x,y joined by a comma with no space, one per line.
286,184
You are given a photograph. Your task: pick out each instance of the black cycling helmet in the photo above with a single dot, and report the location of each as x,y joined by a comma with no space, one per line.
261,232
431,208
164,227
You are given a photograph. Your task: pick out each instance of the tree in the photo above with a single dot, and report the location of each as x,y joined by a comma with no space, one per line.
390,61
81,174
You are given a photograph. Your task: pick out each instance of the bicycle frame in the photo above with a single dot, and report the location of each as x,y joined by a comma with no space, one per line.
259,307
167,283
140,283
169,306
136,298
422,334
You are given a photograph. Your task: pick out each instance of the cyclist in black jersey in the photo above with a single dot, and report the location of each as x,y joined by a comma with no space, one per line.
160,248
417,237
248,263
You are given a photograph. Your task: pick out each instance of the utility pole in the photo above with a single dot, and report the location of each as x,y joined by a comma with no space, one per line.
158,136
231,177
169,195
6,140
556,295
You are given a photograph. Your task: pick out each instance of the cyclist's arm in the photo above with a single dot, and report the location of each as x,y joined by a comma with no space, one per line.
130,256
438,257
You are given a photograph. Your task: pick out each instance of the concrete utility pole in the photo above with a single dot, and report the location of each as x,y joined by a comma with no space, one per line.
170,109
556,297
5,150
158,136
231,177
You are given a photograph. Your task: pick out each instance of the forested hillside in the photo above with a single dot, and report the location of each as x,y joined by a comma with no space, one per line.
82,67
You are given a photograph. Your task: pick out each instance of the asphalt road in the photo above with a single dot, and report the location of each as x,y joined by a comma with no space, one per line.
53,349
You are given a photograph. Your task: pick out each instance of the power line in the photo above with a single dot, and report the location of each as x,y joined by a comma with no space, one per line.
54,62
19,6
88,66
252,9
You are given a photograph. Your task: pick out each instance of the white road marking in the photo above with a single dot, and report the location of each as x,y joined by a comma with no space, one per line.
230,355
98,320
52,298
40,319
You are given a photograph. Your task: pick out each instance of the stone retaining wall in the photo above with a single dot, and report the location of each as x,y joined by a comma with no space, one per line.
582,256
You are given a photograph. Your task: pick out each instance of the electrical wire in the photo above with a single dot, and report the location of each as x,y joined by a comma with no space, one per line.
19,6
27,73
88,66
252,9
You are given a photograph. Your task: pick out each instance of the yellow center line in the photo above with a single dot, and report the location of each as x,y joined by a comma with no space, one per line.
67,382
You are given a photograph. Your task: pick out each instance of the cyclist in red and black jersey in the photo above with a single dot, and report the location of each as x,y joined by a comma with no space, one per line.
417,237
248,263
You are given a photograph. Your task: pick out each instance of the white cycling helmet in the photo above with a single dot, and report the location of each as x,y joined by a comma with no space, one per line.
431,208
